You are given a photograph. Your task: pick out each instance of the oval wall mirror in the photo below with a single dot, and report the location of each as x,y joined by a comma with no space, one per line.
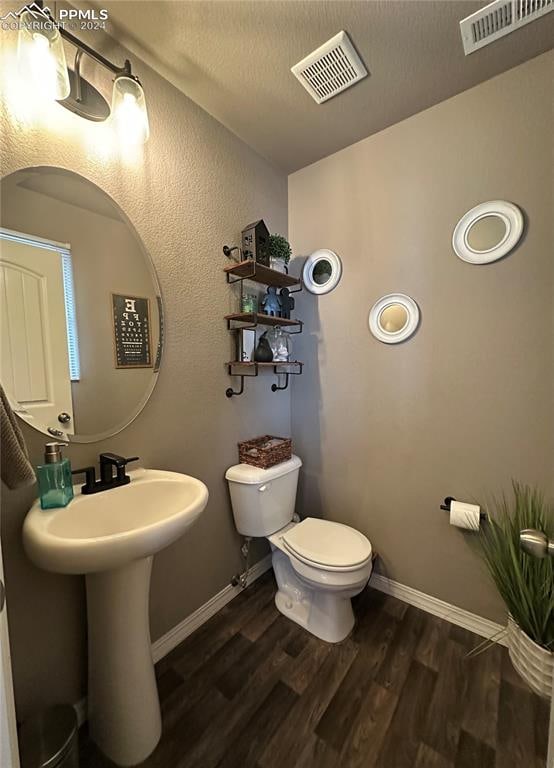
394,318
322,271
81,315
488,232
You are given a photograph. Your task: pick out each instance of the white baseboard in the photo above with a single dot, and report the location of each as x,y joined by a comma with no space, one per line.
163,645
171,639
453,614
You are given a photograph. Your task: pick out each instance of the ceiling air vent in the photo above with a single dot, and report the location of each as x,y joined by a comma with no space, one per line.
332,68
498,19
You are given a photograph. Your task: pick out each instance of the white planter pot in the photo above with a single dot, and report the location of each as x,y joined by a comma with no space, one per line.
279,265
534,663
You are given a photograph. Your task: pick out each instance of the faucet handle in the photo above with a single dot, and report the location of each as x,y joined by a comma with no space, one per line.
90,478
112,458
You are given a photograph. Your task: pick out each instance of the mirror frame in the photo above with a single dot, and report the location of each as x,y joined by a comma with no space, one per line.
411,326
509,213
98,437
323,254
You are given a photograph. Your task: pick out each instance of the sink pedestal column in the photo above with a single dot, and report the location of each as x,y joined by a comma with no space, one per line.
123,704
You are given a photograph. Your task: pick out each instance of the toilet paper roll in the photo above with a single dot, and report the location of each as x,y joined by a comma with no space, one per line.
464,515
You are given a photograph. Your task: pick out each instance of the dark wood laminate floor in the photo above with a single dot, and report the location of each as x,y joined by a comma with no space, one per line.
250,689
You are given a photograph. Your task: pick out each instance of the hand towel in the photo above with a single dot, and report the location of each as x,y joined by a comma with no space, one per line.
15,467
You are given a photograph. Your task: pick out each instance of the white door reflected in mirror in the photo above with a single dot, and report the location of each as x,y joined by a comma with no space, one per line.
488,232
394,318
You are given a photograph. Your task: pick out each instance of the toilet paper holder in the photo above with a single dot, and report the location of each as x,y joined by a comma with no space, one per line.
448,501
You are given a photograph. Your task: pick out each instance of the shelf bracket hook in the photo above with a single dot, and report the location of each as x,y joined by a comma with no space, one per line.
230,391
277,387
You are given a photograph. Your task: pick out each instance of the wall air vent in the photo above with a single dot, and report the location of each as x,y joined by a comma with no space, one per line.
498,19
332,68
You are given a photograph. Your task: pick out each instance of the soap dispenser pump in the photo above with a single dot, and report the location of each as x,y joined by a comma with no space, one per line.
55,483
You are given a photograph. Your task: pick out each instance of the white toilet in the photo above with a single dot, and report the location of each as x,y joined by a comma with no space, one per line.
319,565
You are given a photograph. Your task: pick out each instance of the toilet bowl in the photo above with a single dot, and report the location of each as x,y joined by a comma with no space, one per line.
319,565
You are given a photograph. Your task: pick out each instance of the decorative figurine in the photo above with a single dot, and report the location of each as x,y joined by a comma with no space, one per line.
272,303
287,303
263,353
255,242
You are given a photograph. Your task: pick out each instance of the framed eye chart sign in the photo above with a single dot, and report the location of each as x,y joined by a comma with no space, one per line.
131,321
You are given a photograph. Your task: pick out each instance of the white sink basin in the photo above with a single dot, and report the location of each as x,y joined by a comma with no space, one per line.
111,537
101,531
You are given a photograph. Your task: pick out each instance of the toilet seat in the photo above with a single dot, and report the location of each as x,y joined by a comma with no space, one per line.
327,545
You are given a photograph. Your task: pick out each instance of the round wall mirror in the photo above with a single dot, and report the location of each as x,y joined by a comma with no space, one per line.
394,318
322,271
488,232
81,323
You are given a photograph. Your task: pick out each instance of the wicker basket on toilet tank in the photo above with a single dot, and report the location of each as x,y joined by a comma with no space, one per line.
266,451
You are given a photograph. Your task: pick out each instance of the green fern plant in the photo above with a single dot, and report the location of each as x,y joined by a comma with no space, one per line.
525,583
279,248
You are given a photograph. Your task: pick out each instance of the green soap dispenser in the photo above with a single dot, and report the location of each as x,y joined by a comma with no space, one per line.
55,483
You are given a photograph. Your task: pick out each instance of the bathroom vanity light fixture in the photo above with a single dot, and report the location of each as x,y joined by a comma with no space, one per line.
42,55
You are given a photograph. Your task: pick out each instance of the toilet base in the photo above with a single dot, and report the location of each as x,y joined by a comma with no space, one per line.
325,614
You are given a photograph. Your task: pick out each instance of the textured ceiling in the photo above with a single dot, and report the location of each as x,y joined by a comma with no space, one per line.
233,58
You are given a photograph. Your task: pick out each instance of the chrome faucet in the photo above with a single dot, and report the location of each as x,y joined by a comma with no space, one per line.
108,461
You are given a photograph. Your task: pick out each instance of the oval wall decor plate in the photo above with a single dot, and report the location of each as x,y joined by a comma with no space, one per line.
394,318
322,271
509,224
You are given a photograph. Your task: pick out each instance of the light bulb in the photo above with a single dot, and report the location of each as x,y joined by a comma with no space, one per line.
42,57
129,110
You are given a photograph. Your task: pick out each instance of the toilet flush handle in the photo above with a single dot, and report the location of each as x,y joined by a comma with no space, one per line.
263,488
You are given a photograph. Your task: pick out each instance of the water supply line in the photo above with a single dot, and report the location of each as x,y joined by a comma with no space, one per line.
241,579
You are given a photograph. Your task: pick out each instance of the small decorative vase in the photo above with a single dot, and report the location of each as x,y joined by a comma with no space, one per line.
280,344
249,303
263,353
279,265
534,663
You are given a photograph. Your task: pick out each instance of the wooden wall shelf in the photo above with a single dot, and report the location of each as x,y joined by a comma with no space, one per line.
251,270
259,318
258,273
274,364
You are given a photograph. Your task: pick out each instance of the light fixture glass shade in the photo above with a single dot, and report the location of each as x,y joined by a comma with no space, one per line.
42,57
129,110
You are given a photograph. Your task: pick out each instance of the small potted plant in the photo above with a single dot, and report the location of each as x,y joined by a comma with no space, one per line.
279,253
525,583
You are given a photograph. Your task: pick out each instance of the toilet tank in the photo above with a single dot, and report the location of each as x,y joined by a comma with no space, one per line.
263,499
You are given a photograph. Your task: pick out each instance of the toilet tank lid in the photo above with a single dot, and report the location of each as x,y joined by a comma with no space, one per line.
246,473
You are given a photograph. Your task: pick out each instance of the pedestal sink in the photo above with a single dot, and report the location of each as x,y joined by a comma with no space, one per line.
111,537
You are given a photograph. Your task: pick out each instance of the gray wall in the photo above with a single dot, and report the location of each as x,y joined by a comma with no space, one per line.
386,432
193,189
